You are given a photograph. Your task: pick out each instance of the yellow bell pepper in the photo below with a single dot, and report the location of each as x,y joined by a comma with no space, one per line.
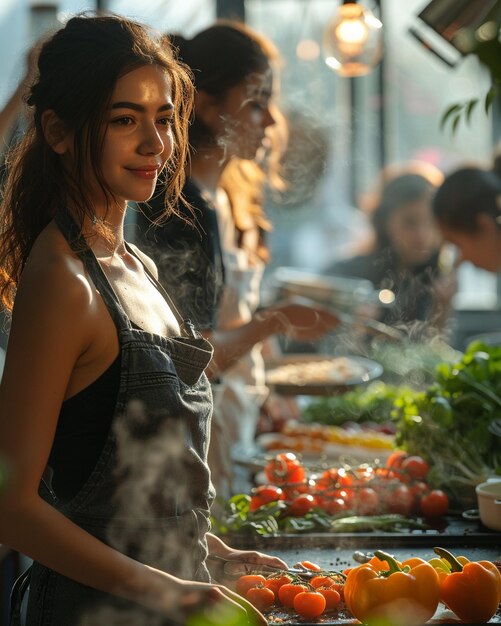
401,593
471,589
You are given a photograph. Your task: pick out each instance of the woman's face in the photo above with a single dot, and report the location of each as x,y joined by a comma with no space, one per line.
413,233
482,247
245,112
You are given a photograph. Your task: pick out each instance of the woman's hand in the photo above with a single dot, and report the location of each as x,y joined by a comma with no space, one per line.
304,320
179,599
217,603
218,548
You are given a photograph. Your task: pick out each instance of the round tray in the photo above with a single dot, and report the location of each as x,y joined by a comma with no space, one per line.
370,371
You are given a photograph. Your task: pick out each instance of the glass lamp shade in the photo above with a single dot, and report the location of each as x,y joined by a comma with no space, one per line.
352,42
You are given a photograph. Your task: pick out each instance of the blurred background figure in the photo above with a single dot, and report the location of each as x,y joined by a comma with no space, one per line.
215,248
467,207
403,258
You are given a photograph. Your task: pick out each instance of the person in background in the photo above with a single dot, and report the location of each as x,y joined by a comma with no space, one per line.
212,257
104,404
467,207
404,257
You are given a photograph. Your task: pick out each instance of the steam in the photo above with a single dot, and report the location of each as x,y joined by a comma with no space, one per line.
189,278
151,460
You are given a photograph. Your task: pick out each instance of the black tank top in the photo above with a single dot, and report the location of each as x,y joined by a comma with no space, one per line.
83,426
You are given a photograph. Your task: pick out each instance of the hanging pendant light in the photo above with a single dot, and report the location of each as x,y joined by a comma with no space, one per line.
352,42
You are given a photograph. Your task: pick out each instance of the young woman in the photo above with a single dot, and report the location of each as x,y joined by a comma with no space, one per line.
467,207
104,405
404,258
215,257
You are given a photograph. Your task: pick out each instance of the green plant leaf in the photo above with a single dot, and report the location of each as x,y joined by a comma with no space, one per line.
489,98
469,109
454,108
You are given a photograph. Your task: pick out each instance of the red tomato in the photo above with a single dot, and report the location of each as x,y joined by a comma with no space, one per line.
435,504
247,581
332,597
418,489
302,504
327,480
397,499
296,489
261,597
367,501
275,582
264,495
314,567
333,506
345,478
309,603
415,467
396,459
348,497
288,592
322,581
284,468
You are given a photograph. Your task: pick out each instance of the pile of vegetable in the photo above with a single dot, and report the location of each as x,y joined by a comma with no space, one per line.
345,499
382,590
454,424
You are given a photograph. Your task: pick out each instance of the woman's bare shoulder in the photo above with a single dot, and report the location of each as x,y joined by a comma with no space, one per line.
53,276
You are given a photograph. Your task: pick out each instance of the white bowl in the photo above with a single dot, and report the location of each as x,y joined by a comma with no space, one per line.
489,503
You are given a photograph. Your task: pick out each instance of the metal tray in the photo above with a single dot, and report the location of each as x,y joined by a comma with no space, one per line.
372,370
451,531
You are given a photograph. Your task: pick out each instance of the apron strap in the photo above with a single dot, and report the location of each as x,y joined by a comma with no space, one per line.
78,244
17,594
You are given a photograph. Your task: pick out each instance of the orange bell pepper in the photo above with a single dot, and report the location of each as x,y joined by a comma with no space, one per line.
401,593
472,589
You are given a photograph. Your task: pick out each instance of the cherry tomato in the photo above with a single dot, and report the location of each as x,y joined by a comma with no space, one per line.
332,597
345,477
333,506
348,497
275,582
418,489
414,467
284,468
261,597
309,603
288,592
367,501
322,581
396,459
296,489
314,567
264,495
327,480
302,504
398,499
247,581
434,504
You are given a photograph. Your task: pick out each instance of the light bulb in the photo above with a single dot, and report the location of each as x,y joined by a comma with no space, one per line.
352,43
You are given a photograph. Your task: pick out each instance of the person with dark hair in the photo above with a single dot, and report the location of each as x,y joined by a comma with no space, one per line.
104,404
404,259
214,258
467,207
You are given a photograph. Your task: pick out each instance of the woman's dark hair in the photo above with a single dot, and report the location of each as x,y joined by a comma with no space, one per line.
464,195
395,195
78,68
221,57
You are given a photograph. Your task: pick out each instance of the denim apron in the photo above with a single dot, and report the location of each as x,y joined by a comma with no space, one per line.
150,492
